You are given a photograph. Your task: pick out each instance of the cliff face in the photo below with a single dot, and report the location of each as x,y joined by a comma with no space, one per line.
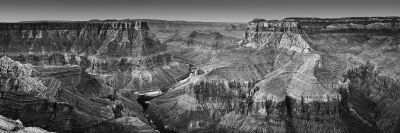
52,43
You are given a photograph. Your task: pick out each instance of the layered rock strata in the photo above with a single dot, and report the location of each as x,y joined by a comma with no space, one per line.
276,35
300,92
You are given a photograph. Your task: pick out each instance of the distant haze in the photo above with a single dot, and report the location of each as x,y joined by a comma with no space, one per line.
191,10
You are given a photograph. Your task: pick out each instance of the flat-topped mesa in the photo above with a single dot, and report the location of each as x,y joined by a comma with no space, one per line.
69,25
273,25
276,35
344,19
65,43
348,24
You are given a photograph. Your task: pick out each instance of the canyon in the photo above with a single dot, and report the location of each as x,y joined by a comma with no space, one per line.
311,75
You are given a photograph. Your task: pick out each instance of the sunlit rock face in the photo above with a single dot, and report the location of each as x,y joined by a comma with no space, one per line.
17,78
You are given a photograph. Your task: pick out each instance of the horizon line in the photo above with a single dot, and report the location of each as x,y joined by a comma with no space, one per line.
201,21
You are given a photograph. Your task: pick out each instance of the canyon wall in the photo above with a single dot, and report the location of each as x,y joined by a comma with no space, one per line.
53,43
287,75
62,76
300,86
100,47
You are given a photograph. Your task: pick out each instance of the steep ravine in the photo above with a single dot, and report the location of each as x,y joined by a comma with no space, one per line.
151,115
150,112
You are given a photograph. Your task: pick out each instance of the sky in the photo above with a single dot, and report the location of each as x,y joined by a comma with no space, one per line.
191,10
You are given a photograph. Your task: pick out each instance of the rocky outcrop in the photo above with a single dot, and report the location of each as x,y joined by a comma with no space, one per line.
15,126
16,78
